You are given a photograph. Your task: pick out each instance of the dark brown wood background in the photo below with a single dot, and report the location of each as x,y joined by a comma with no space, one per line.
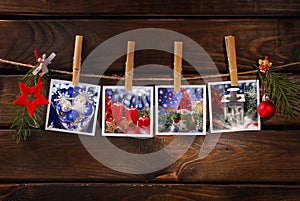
263,165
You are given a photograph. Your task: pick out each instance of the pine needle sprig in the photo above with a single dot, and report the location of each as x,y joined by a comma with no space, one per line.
22,122
284,93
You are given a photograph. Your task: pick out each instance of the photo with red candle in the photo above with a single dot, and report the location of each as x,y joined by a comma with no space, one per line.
127,113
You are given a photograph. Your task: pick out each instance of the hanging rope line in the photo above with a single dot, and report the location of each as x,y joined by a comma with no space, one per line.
116,77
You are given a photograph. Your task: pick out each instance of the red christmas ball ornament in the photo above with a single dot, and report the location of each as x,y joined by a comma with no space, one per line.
266,109
176,120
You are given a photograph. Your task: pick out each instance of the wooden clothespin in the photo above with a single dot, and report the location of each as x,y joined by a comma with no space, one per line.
77,60
177,65
231,55
129,65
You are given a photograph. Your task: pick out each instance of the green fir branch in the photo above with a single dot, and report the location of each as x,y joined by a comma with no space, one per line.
22,123
284,93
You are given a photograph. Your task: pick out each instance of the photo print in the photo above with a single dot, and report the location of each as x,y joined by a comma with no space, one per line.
233,108
72,109
127,113
181,113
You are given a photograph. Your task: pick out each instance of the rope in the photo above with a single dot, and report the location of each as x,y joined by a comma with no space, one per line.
116,77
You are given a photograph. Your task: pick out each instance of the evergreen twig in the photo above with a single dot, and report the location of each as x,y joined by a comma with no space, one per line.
22,123
284,93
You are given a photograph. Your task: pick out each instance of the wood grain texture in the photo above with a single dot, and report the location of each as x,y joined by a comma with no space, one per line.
156,192
263,156
262,165
277,38
151,8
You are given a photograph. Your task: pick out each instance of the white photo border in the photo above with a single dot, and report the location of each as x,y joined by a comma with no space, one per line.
95,112
211,130
150,135
203,115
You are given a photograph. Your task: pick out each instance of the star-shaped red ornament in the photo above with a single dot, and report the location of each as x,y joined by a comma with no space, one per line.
36,91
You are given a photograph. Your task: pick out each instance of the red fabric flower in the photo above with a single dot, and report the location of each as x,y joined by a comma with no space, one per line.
36,91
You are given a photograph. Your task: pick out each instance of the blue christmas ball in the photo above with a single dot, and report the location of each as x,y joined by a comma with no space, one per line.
76,91
72,115
70,92
63,91
88,109
59,107
63,118
72,126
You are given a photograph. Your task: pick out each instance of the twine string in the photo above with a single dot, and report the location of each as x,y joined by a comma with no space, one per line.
116,77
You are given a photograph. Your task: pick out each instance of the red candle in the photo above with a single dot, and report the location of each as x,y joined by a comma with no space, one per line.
132,114
117,111
140,123
143,122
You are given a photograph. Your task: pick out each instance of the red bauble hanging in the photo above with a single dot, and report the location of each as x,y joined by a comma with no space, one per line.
266,109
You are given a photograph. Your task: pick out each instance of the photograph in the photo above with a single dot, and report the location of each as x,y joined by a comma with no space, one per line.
72,109
181,113
127,113
233,108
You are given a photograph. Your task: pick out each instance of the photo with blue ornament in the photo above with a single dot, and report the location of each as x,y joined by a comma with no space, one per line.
72,109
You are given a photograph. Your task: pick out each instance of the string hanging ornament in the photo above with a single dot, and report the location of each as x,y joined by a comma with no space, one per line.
266,109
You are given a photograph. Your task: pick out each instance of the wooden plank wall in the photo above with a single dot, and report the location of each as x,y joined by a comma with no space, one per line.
263,165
